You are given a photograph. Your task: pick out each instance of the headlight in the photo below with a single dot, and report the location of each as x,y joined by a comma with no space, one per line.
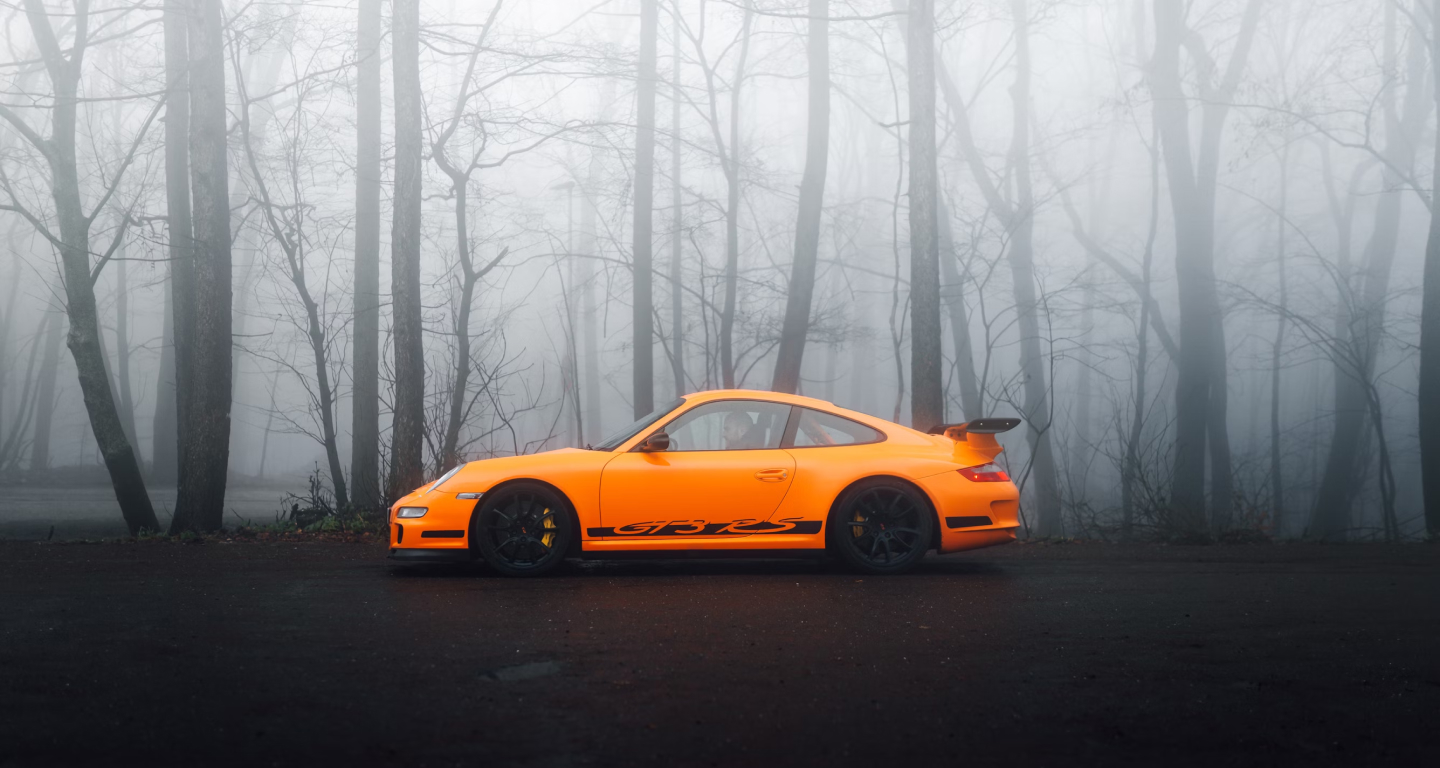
407,512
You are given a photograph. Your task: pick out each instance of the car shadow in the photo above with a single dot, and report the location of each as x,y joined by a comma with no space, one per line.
689,566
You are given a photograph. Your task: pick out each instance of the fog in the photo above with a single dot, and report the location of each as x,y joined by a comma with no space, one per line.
1184,241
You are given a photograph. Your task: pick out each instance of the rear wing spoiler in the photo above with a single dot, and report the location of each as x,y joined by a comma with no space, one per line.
977,435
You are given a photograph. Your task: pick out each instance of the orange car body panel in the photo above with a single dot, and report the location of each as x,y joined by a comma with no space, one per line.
780,499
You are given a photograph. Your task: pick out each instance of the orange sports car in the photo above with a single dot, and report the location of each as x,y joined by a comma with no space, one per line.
724,473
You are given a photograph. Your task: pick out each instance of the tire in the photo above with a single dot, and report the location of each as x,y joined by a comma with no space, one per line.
525,529
881,526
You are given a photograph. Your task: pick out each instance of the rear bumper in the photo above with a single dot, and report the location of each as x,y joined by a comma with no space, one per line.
973,515
412,555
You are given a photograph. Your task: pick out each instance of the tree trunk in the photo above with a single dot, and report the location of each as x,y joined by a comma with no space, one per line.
174,356
812,200
1048,522
1277,480
459,385
45,393
6,326
643,301
163,454
677,234
927,395
952,291
122,347
732,208
1429,394
407,468
365,377
594,424
205,422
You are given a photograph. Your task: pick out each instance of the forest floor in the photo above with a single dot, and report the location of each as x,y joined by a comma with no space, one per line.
323,653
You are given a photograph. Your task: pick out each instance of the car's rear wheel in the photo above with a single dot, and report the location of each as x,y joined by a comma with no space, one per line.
881,526
524,529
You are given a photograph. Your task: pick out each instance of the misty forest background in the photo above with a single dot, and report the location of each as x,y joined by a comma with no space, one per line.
1190,243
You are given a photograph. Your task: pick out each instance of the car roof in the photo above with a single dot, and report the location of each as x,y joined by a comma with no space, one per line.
890,428
756,394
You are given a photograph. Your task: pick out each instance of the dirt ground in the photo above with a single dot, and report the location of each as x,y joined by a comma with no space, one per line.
290,654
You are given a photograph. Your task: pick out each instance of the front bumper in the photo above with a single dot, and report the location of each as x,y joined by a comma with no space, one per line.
445,526
412,555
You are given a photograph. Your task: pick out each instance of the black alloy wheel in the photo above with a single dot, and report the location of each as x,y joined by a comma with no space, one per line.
881,526
523,530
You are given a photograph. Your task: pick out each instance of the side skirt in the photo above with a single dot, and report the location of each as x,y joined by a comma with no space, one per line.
703,554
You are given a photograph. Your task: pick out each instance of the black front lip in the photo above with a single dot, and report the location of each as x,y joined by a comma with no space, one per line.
430,555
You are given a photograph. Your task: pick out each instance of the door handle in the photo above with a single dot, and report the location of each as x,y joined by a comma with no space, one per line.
772,475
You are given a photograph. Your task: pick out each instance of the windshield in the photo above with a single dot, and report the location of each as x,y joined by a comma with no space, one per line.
615,440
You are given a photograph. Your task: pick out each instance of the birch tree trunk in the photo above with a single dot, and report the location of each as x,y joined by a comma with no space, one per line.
812,201
205,422
365,379
407,469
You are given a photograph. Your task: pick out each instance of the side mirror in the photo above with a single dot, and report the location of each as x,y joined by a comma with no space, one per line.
655,443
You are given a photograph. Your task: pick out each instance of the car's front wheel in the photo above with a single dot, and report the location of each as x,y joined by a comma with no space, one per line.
881,526
524,529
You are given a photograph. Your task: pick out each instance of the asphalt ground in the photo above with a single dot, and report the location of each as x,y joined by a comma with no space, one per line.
325,654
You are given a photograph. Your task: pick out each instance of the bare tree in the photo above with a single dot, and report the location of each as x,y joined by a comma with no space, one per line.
1364,319
1200,393
287,222
64,66
812,199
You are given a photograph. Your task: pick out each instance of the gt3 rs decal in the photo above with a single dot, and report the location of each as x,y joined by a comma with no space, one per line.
702,528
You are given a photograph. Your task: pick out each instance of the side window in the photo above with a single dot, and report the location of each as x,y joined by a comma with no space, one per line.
729,425
817,428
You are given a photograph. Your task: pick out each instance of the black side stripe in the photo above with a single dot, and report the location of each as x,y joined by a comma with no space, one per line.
699,528
442,534
968,522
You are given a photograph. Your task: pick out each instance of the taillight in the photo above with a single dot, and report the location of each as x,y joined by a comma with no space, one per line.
985,473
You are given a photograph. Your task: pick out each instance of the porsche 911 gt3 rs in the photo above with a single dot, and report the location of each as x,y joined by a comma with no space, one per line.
724,473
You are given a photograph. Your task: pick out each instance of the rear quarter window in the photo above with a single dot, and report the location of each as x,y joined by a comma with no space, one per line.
817,429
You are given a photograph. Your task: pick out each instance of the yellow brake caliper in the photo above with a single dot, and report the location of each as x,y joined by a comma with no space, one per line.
549,525
857,530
